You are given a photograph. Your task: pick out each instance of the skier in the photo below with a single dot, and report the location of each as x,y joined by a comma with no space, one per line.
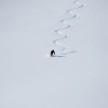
52,53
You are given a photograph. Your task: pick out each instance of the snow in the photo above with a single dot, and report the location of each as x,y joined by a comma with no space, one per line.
29,79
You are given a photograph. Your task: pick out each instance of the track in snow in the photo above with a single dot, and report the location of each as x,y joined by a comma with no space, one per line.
64,35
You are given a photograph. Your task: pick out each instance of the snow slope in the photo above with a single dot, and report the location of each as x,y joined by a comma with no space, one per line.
28,79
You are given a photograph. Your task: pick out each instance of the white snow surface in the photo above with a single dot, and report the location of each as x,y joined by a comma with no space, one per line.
30,79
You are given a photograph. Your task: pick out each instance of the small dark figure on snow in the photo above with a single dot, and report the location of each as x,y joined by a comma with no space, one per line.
52,53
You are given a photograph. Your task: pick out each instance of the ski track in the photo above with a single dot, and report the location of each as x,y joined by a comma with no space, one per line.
64,35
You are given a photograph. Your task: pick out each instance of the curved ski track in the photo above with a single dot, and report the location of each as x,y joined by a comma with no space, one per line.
64,35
